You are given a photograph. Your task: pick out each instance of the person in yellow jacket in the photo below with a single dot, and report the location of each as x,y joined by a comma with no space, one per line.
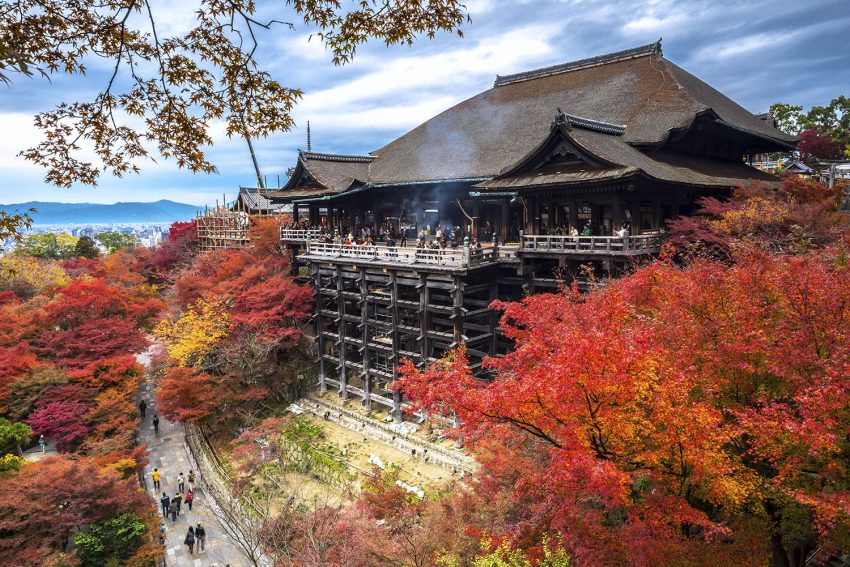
155,475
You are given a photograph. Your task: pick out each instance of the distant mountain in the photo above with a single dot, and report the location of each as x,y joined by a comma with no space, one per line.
91,213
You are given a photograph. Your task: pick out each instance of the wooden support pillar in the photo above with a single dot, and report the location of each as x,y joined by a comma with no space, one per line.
396,337
637,201
493,320
574,214
295,212
317,283
364,321
457,309
553,217
535,216
656,211
617,213
504,229
340,305
425,350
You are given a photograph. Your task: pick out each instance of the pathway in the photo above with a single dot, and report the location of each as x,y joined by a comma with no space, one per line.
169,454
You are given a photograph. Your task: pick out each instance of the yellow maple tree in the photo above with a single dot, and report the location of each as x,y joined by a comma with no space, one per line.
194,334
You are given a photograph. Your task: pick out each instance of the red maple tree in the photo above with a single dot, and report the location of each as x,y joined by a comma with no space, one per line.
43,503
184,394
678,413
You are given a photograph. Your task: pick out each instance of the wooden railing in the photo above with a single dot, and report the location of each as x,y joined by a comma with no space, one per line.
629,245
448,257
298,234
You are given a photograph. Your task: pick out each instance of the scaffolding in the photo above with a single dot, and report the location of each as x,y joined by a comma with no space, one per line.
222,228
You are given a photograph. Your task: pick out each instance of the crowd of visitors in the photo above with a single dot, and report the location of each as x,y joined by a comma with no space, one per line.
440,237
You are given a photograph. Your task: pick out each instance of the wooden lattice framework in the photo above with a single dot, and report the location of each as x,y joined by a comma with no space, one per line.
221,228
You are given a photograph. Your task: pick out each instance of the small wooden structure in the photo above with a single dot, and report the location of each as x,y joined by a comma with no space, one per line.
222,228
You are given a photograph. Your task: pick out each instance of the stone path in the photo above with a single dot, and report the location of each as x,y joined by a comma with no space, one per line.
169,454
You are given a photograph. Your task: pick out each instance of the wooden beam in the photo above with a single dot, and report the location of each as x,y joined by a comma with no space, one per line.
340,303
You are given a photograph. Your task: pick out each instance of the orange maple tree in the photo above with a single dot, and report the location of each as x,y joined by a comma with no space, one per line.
679,413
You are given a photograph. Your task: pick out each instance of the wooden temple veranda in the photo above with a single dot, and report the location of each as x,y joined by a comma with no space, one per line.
550,170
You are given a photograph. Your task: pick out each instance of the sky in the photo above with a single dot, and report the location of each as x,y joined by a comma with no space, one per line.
757,52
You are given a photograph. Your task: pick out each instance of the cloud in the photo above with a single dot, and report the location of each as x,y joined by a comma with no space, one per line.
757,52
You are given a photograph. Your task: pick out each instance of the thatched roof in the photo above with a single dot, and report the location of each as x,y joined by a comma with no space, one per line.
625,104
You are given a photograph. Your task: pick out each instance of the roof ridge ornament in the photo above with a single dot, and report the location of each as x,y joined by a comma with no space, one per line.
568,121
643,50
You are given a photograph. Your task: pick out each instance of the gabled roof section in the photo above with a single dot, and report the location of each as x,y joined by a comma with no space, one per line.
730,112
649,49
575,156
559,149
321,173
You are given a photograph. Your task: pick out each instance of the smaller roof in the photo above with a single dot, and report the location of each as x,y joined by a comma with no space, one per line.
261,199
799,166
318,174
582,151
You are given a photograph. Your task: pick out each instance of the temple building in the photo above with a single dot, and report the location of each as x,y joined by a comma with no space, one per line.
576,164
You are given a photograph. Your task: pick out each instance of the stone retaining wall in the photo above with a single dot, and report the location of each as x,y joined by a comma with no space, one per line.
454,461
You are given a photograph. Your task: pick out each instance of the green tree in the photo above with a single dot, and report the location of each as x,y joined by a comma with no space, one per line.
13,435
86,248
113,241
786,117
111,541
831,121
47,245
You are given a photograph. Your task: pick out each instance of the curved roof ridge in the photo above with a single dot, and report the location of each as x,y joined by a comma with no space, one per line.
648,49
589,124
335,157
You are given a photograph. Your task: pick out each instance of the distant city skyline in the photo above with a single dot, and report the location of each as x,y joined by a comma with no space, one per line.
757,52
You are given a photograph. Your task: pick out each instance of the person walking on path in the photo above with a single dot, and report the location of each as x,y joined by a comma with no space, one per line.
172,509
143,405
190,540
201,537
165,501
42,443
156,424
155,475
191,480
189,499
178,499
181,482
